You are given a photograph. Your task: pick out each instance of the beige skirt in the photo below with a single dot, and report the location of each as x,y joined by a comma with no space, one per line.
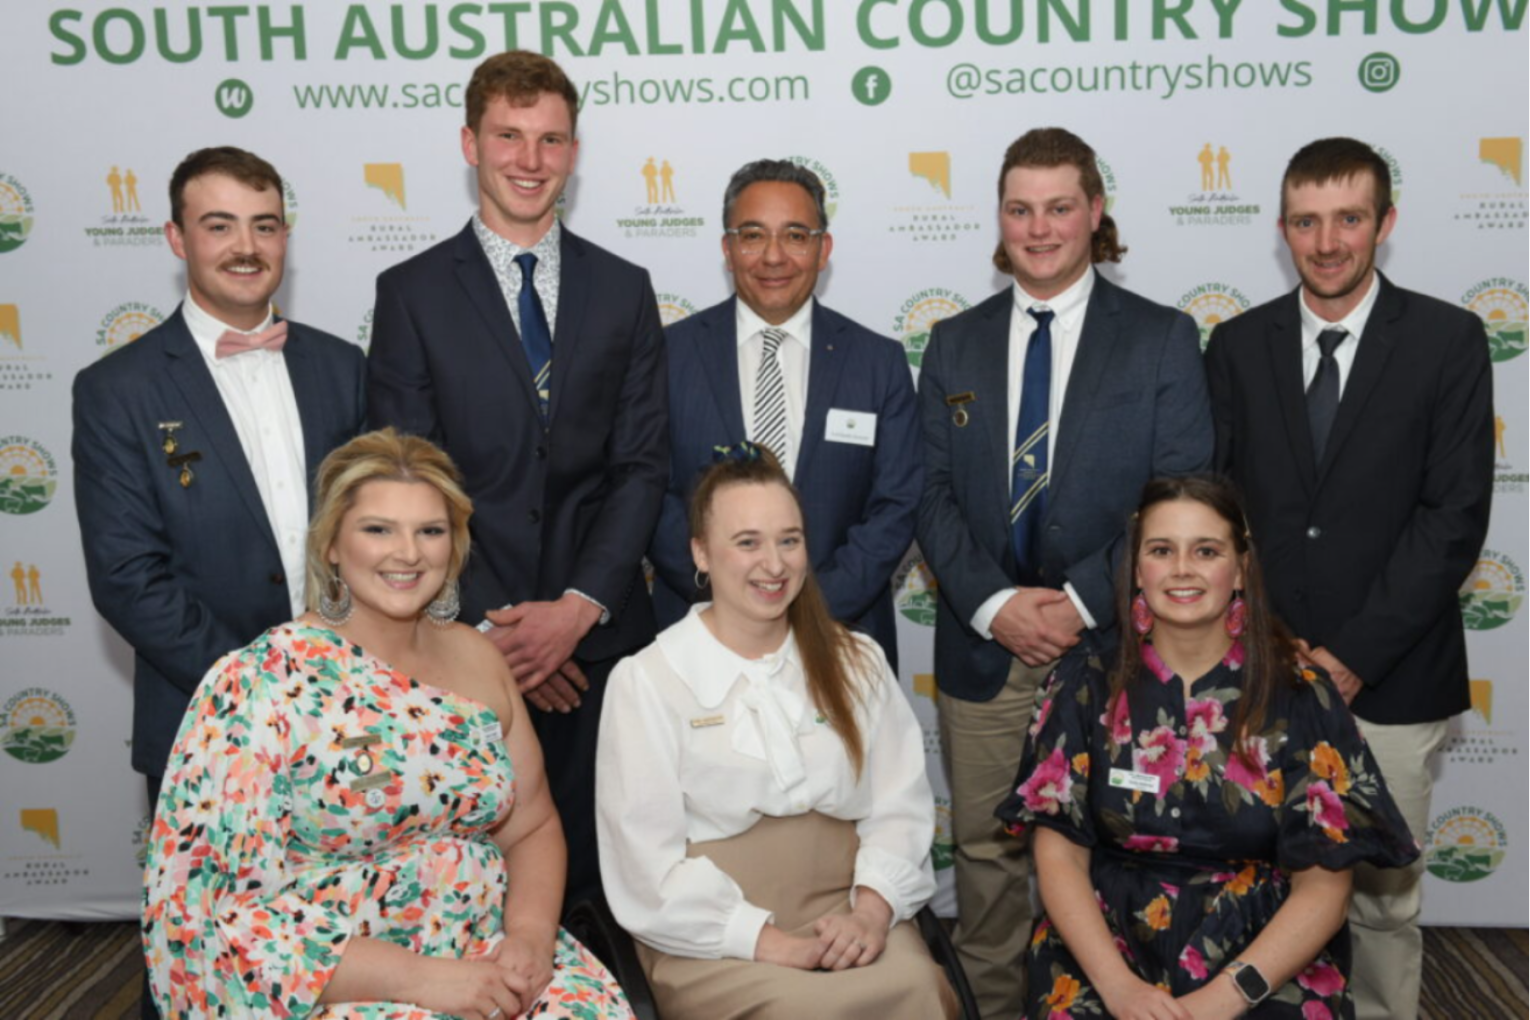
800,869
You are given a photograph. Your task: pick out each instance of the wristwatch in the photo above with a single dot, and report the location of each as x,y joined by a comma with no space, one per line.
1248,981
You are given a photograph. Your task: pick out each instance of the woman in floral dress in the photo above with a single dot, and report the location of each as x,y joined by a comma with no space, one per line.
1198,808
335,837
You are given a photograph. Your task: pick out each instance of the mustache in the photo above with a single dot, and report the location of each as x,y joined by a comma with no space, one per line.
245,262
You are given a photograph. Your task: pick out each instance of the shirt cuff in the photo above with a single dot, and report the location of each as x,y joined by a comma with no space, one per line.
1078,603
982,620
605,614
743,931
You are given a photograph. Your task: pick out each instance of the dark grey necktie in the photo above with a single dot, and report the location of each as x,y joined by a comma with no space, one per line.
1323,394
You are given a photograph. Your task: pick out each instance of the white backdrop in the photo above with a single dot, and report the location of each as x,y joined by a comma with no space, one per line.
903,107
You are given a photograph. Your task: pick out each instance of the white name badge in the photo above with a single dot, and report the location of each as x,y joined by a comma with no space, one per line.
1143,781
490,733
856,427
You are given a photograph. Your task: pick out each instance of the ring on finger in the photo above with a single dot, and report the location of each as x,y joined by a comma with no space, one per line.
496,1011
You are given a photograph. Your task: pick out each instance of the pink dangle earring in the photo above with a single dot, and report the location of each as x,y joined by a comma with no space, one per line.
1142,615
1237,615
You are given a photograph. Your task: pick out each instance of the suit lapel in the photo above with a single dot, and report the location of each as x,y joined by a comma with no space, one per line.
824,367
312,401
199,394
989,376
482,288
574,288
1097,346
1376,346
1284,340
717,349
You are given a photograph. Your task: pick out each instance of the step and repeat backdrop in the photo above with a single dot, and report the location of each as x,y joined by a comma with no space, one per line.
902,107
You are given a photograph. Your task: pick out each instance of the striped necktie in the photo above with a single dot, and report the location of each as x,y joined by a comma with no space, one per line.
770,398
1028,465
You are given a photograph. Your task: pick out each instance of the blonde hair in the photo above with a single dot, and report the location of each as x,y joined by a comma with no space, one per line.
385,456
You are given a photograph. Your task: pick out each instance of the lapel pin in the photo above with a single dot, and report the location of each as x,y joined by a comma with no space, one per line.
184,462
960,417
168,444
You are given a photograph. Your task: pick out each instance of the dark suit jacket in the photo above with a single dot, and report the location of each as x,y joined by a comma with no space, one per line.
188,574
571,505
858,501
1135,408
1364,552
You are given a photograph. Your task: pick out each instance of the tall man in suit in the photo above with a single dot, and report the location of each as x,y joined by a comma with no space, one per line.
536,359
194,447
1358,419
832,399
1045,410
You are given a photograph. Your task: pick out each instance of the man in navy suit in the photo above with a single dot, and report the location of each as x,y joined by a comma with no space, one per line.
1045,410
194,446
833,399
536,359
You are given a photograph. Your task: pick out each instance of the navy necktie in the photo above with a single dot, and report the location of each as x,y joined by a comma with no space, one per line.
1028,465
536,338
1323,394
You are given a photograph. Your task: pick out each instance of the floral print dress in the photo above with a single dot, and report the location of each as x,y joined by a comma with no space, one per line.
1188,877
314,794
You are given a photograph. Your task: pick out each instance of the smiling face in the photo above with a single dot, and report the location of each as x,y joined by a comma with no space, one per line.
1046,223
234,242
393,547
524,156
756,552
1333,232
775,282
1187,565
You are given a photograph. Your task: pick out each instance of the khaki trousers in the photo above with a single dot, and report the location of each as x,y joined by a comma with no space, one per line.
981,743
800,869
1383,913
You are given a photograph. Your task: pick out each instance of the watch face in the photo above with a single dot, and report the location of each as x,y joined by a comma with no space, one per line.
1251,983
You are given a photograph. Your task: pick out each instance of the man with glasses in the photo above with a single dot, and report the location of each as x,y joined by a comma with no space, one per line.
832,400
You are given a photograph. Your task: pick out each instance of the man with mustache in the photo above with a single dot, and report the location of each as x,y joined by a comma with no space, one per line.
194,446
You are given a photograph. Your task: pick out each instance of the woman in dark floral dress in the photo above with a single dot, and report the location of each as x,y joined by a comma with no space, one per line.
1196,809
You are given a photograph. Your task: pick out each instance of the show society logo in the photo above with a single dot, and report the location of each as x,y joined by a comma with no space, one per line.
28,476
673,308
830,185
1396,169
290,201
1108,178
931,215
1492,595
1475,741
1495,197
1505,478
1465,844
661,214
384,231
919,314
15,213
1215,203
943,849
122,223
19,370
28,614
364,330
1502,304
41,861
916,591
141,840
1210,304
39,726
126,323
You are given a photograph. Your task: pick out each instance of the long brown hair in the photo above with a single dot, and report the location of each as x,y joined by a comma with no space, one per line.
831,656
1269,660
1044,148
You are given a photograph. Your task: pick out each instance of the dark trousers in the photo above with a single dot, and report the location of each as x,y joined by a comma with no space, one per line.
568,750
146,1009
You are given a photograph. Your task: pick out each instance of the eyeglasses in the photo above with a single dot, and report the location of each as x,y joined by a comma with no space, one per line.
754,240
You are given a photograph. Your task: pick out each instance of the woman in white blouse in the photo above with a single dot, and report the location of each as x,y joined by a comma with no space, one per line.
763,812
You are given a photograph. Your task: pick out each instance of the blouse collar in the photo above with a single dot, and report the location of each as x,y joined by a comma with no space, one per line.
710,668
1154,662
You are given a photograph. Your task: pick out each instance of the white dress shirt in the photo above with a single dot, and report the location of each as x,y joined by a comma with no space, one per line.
795,352
1068,310
698,743
1353,324
257,392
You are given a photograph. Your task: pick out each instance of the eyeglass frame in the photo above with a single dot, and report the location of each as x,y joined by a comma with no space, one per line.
773,235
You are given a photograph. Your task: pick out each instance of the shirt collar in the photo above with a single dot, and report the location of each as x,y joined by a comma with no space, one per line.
710,668
206,328
799,326
1353,323
1068,307
501,251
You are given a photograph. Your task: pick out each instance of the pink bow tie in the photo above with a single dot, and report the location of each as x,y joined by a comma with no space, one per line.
232,343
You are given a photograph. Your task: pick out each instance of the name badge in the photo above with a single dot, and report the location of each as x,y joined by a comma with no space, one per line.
490,733
859,428
1128,780
702,722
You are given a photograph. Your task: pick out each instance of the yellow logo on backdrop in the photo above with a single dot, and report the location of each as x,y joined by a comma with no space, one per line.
1211,304
1507,154
673,308
1499,428
660,181
10,324
1216,173
387,178
28,581
1482,699
126,323
934,167
123,185
924,685
43,822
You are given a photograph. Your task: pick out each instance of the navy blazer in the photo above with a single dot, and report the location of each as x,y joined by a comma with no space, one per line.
1364,552
858,501
1135,408
568,505
186,574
